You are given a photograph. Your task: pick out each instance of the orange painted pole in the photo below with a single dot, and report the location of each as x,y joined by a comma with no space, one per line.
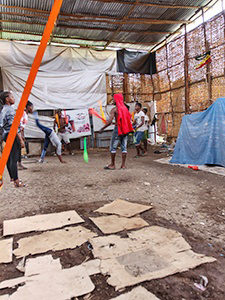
29,84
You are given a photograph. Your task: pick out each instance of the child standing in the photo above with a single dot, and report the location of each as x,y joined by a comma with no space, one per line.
6,119
146,128
139,125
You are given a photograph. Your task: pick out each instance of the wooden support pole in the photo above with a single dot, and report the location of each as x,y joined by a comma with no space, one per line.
155,106
186,77
126,88
170,87
208,69
223,12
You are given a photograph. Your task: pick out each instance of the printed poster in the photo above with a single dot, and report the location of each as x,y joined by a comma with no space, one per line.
78,123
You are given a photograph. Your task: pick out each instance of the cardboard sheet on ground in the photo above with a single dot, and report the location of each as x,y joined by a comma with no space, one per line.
6,250
211,169
41,222
63,285
123,208
149,253
46,264
113,224
61,239
45,279
4,297
92,266
139,293
42,264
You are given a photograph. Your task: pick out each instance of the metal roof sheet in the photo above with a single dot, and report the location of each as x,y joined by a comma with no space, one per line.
18,23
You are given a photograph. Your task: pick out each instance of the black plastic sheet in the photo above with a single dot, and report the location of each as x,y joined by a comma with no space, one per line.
136,62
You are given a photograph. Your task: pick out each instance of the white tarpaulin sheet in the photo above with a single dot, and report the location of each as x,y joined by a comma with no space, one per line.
68,78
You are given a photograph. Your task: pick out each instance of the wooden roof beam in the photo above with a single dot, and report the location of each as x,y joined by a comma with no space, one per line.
80,38
160,5
102,19
129,21
141,32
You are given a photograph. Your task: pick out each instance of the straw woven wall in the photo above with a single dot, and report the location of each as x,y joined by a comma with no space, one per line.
175,90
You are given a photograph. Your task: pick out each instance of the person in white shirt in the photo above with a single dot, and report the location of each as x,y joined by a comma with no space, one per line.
146,127
139,125
23,123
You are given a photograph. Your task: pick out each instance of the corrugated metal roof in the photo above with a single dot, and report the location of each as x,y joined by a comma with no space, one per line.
81,21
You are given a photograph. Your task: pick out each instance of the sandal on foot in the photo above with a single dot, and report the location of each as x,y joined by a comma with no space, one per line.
108,168
21,184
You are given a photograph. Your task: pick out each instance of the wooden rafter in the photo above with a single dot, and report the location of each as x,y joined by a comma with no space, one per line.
142,32
124,19
160,5
79,38
129,21
99,18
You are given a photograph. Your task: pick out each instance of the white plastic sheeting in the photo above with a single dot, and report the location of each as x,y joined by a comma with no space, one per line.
68,78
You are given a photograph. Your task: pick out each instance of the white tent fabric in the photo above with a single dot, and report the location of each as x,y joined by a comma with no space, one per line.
68,78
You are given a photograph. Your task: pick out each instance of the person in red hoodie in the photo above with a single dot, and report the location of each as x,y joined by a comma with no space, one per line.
123,126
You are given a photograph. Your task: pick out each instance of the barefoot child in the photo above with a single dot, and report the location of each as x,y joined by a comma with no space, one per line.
6,119
50,136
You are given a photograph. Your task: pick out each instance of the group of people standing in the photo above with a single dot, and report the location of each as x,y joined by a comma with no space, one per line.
7,114
119,116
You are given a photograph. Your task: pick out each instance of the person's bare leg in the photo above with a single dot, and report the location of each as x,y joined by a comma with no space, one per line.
113,159
112,166
124,157
141,150
21,167
60,159
145,145
138,150
69,148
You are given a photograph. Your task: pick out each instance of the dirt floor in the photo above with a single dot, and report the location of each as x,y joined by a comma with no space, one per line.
189,201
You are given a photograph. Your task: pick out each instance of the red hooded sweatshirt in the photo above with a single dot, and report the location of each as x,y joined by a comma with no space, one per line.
124,117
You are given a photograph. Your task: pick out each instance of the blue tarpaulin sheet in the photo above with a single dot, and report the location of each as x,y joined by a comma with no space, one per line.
201,138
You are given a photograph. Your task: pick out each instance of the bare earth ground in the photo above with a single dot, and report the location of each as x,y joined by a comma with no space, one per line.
188,201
